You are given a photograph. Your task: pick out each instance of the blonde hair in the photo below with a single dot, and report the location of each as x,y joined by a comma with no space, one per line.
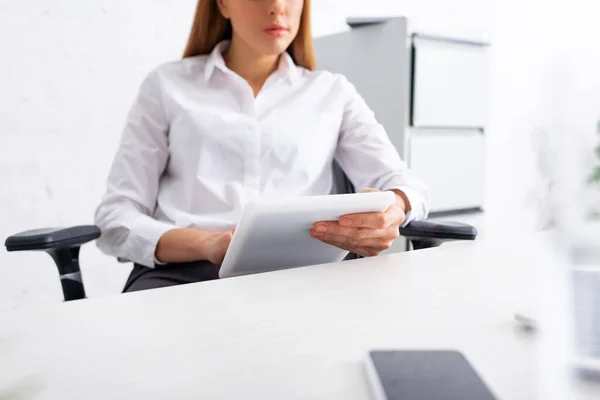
210,27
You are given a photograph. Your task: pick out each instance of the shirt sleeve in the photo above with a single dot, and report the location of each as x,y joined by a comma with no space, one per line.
369,158
124,212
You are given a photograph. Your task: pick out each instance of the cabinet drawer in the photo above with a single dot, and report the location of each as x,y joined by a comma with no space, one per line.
451,85
451,163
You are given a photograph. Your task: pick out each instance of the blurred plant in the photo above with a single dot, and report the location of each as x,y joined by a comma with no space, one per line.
595,176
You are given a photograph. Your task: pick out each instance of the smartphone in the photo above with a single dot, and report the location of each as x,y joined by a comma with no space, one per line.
424,375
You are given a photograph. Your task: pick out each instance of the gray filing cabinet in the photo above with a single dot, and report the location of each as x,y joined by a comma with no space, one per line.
450,107
431,93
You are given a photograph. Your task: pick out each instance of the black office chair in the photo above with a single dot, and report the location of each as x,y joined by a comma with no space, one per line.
62,244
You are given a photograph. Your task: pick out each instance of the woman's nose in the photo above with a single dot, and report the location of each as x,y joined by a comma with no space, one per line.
278,7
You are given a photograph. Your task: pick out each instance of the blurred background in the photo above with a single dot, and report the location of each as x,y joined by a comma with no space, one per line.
70,70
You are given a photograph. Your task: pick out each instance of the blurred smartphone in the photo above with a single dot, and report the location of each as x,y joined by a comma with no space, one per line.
424,375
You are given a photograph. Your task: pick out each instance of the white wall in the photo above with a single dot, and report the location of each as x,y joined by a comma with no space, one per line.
71,68
69,72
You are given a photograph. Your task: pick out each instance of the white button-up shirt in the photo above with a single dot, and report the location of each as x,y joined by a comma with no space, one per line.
198,145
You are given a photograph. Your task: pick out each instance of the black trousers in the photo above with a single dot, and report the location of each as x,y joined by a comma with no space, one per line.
142,278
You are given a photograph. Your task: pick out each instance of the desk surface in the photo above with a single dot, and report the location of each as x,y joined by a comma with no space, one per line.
293,334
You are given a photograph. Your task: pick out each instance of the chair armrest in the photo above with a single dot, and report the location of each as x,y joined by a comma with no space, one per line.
424,234
52,238
62,244
439,230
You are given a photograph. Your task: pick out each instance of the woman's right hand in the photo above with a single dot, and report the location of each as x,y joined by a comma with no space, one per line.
217,244
187,245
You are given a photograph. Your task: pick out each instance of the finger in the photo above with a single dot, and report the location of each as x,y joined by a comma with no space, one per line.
401,215
374,244
395,214
341,245
368,251
378,220
368,190
225,240
363,251
323,229
223,246
381,243
358,237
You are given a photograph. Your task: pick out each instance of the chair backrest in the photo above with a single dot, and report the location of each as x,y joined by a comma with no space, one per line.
341,183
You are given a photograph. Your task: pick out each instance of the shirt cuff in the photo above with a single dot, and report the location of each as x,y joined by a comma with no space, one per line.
146,232
158,262
415,200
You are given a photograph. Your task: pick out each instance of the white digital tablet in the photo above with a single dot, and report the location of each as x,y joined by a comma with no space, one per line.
274,234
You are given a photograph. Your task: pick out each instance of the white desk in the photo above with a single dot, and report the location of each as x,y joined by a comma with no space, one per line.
295,334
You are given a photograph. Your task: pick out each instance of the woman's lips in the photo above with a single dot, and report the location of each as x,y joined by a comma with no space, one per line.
276,30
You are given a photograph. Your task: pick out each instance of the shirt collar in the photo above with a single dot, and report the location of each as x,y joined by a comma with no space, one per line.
215,59
286,67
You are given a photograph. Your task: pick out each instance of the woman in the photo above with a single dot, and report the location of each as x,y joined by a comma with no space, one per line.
243,115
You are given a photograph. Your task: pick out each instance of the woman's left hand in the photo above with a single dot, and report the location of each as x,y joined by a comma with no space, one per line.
366,234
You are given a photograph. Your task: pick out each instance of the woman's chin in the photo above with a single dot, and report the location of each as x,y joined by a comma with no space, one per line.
274,46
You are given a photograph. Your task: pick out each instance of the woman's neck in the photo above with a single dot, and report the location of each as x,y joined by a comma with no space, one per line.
253,67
